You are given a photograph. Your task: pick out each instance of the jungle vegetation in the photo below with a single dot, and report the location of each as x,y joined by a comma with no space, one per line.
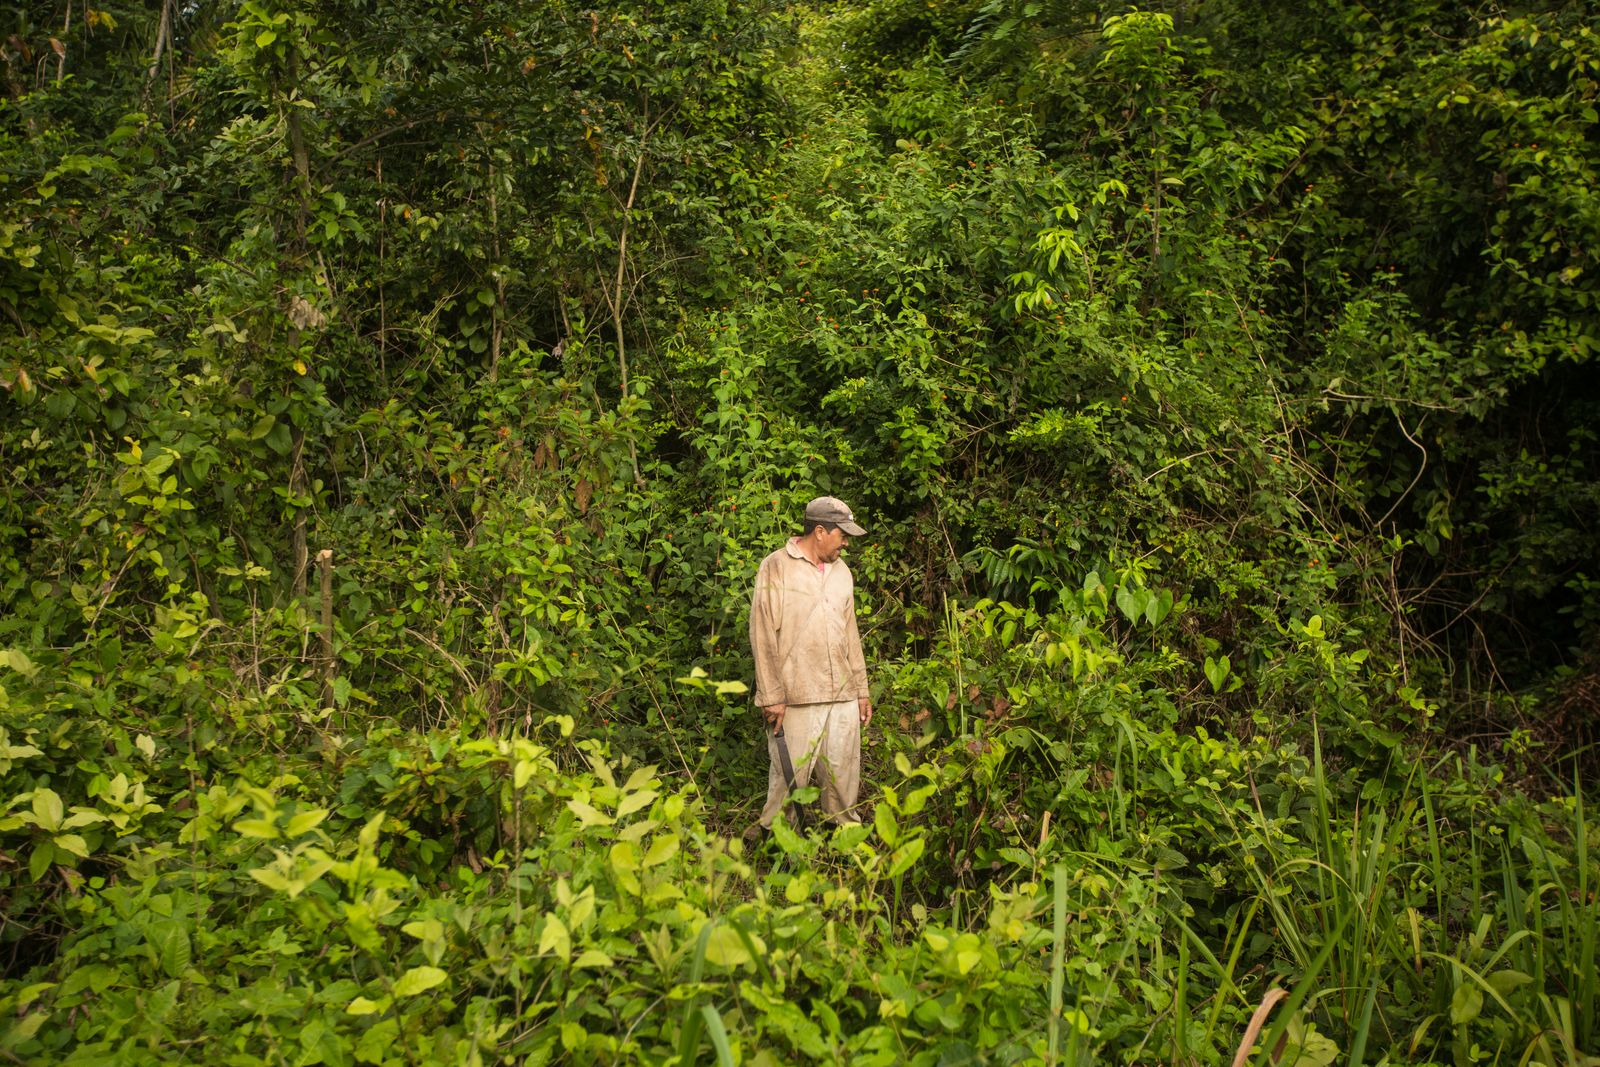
396,399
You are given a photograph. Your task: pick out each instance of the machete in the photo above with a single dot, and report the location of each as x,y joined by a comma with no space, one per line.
799,810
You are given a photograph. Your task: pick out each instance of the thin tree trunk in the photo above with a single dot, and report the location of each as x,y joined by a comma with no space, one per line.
615,299
61,46
297,145
297,480
325,565
497,318
383,310
163,35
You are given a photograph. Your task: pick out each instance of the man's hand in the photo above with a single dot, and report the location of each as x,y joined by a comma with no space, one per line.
864,704
774,714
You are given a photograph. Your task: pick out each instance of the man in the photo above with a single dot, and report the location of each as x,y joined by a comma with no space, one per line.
811,678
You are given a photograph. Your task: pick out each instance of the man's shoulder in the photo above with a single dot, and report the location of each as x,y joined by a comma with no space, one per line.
773,562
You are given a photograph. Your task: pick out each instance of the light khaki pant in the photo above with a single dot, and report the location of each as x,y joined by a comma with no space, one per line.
824,736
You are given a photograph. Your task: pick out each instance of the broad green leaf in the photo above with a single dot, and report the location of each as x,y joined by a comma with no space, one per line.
418,980
1308,1048
17,661
555,937
1158,606
280,439
305,822
523,771
662,849
624,862
160,1005
888,829
363,1006
272,878
11,752
726,948
785,836
1130,602
74,844
1504,982
624,857
1466,1004
1217,671
29,993
587,815
906,855
264,829
916,799
47,809
429,929
847,837
798,889
39,862
370,832
23,1029
634,801
169,938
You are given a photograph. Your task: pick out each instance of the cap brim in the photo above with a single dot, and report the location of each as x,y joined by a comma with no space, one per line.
852,529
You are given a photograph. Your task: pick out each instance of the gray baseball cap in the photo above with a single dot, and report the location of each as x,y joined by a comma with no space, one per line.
832,509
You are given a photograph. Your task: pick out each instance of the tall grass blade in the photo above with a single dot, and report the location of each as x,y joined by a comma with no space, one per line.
689,1032
1302,988
718,1034
1435,853
1058,963
1358,1040
1180,1026
1588,920
1483,983
1227,982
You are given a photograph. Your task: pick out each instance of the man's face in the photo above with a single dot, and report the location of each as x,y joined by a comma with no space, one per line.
830,543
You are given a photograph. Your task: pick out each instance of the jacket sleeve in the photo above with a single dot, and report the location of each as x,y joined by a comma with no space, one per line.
857,661
766,618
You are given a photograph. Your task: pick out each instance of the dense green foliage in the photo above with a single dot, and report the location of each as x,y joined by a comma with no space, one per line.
1216,380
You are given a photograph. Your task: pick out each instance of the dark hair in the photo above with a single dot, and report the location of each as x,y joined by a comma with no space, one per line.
812,524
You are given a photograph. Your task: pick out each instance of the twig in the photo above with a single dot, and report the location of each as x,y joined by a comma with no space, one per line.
1257,1021
1424,466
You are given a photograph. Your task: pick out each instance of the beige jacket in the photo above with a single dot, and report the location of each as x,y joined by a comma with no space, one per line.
803,632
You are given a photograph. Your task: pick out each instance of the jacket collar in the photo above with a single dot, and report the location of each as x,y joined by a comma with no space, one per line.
791,547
